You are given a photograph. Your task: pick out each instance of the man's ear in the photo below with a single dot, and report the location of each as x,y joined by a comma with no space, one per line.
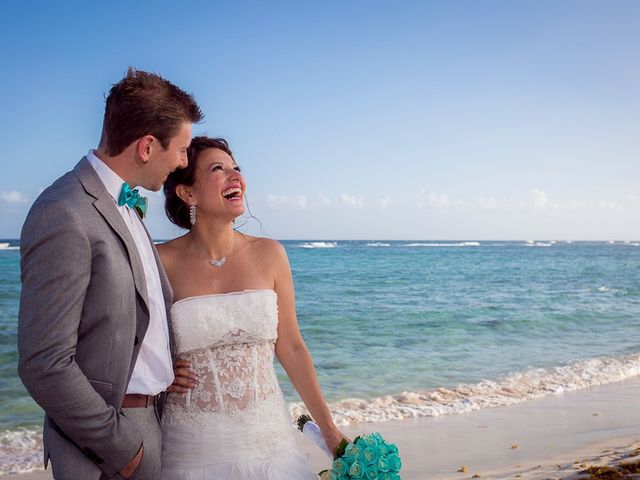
144,145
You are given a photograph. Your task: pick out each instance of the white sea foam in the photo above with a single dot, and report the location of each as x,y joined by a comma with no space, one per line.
456,244
514,388
20,451
7,246
539,244
319,244
378,244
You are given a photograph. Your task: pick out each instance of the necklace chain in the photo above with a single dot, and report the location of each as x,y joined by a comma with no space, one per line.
221,261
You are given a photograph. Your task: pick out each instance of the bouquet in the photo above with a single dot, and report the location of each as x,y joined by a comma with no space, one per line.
368,457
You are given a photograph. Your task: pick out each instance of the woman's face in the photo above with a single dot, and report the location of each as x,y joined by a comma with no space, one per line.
219,187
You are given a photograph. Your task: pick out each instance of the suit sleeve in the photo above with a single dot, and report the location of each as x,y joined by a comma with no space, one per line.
56,270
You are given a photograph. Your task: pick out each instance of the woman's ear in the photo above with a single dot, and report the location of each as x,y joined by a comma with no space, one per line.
185,194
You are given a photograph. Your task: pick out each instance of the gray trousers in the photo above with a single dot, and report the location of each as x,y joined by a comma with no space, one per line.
148,421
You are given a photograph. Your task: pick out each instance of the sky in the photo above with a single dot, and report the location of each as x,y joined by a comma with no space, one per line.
469,120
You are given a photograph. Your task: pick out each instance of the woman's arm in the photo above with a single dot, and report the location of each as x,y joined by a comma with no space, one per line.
292,351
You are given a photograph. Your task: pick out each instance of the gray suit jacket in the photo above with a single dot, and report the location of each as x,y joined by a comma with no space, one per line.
83,315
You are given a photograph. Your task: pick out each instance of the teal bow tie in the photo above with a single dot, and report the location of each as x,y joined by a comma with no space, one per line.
132,199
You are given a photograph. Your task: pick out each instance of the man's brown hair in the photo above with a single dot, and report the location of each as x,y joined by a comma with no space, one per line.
144,103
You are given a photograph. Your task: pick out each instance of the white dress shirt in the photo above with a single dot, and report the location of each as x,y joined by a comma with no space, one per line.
153,371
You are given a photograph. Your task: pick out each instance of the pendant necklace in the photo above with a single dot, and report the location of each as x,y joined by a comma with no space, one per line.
221,261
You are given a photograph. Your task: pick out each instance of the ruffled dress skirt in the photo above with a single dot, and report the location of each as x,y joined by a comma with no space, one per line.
242,447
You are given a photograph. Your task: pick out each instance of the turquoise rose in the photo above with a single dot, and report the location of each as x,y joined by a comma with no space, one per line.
395,464
339,467
333,476
383,465
393,448
356,470
371,472
370,455
368,441
351,452
386,476
384,449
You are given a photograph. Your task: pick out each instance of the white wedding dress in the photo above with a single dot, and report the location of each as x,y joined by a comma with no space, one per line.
234,425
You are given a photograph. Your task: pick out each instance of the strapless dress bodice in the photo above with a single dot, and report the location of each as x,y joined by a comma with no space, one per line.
230,341
234,425
210,321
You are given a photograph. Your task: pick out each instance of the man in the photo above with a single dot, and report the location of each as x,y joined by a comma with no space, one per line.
93,337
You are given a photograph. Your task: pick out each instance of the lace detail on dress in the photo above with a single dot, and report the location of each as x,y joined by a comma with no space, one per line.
213,320
235,363
234,425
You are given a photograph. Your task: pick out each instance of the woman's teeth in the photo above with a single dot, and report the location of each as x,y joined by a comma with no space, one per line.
233,192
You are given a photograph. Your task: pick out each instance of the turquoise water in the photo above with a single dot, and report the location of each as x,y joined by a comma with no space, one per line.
381,318
385,319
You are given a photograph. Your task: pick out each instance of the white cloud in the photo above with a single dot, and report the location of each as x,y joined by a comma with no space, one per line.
13,197
486,203
461,203
438,200
384,202
539,200
276,201
576,205
323,200
593,205
297,201
432,199
610,205
301,201
352,200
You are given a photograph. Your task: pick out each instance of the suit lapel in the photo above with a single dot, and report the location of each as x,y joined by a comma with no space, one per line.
105,205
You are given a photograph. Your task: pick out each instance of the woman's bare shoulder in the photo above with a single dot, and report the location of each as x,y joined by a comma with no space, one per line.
170,249
266,249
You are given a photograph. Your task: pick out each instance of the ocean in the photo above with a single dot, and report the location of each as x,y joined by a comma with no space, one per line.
401,329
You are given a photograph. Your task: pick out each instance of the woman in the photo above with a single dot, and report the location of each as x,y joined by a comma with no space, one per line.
234,308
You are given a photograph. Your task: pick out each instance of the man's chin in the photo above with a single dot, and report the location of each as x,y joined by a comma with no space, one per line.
154,187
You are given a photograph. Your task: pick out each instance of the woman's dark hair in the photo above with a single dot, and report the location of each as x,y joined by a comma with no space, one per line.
177,210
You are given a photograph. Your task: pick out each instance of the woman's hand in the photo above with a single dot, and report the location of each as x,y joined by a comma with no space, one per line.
333,438
185,379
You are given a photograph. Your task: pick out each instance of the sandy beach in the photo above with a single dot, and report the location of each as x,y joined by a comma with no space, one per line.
549,438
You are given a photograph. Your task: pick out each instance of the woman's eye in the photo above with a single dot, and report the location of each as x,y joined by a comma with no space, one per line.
216,167
237,169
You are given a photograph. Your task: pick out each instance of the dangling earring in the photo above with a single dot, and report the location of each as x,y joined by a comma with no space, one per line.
192,214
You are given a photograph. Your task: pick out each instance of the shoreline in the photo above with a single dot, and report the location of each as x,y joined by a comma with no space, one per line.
553,437
594,426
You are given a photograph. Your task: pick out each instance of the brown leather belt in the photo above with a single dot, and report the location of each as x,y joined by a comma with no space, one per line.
137,400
